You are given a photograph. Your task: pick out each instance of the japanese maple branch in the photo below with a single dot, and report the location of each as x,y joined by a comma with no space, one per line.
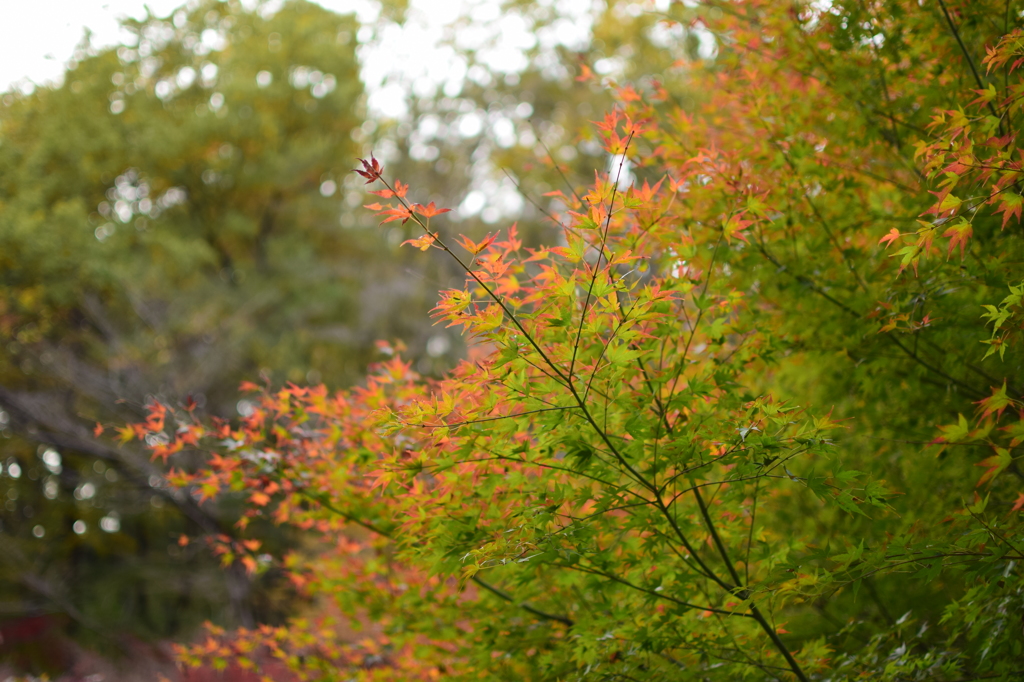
810,284
681,365
564,620
967,56
600,255
743,593
497,299
469,422
372,527
657,595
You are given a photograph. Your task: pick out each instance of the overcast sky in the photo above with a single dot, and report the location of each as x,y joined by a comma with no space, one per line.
38,36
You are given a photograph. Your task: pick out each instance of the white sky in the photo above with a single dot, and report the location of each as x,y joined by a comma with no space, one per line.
38,36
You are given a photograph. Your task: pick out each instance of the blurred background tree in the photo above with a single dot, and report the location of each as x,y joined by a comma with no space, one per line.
167,226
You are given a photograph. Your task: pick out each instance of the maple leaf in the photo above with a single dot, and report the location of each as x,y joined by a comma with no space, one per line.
1011,206
430,210
997,402
629,94
371,169
250,564
398,213
611,120
381,478
422,243
958,235
735,226
892,236
126,433
953,433
507,286
910,256
646,193
97,430
1018,504
984,96
994,465
471,246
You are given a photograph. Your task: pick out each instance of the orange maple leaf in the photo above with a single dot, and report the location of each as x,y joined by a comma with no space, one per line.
250,564
397,213
430,210
893,235
423,243
473,247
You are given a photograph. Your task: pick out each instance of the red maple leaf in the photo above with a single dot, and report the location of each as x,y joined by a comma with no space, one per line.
371,169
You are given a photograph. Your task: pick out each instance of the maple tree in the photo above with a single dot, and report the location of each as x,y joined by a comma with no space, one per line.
738,421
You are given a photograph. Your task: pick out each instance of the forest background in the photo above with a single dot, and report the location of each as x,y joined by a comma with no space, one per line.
178,216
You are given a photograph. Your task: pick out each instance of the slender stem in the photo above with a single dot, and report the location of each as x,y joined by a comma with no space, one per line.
967,56
600,255
658,595
744,593
564,620
681,367
750,535
559,169
490,293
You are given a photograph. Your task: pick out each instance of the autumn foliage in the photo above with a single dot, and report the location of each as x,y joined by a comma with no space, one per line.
735,421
